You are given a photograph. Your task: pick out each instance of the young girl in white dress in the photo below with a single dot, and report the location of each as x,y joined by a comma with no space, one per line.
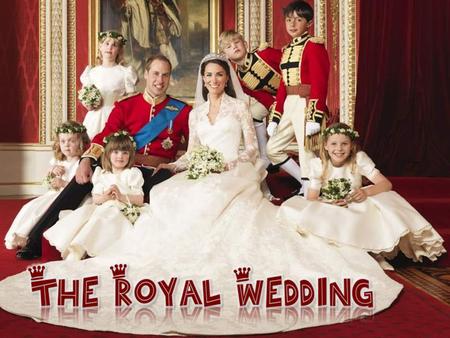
69,143
117,190
372,218
110,77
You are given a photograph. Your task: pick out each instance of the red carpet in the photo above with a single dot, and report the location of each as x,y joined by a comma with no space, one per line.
414,313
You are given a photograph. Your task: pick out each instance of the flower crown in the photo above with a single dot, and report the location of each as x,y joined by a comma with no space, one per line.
70,129
112,34
120,133
341,130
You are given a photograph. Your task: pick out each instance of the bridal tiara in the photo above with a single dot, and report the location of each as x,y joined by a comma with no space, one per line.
214,56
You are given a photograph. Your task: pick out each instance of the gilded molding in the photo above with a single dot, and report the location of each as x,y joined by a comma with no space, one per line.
56,63
42,71
335,30
320,18
269,22
240,17
255,24
71,60
347,61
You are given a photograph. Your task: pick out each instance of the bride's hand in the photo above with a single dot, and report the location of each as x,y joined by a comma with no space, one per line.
169,166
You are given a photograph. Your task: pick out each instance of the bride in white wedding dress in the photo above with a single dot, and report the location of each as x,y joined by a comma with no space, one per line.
201,230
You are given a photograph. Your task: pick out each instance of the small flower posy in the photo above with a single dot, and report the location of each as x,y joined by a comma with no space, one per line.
353,134
47,181
336,189
70,129
112,34
132,212
203,161
120,133
90,96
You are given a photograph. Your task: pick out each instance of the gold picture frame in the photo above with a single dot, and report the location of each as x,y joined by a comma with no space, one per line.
199,21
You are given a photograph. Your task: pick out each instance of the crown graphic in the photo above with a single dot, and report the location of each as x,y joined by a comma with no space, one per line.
118,270
242,274
37,272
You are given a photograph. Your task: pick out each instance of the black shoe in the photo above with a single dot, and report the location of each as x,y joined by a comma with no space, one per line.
273,169
27,253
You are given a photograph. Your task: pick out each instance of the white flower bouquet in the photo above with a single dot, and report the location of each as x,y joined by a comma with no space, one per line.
132,212
90,96
203,161
336,189
47,181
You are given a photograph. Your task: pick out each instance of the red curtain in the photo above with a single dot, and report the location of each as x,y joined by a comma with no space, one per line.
403,93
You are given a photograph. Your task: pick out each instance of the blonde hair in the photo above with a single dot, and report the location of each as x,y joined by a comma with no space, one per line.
119,58
121,142
70,127
227,36
323,153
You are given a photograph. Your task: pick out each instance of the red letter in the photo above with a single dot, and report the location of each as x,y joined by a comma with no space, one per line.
209,300
290,293
190,291
88,282
122,288
306,299
151,291
271,300
336,291
63,294
43,286
322,291
168,290
255,296
356,291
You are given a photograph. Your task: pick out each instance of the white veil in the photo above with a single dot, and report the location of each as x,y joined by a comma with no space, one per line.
234,81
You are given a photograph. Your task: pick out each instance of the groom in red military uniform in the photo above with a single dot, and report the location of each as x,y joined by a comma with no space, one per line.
158,123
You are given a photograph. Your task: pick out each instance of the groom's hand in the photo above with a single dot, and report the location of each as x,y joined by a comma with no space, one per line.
84,171
168,166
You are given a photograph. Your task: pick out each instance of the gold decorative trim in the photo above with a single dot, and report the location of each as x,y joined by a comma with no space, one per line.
240,17
255,24
320,18
214,9
335,30
269,22
347,60
71,60
42,71
25,147
56,62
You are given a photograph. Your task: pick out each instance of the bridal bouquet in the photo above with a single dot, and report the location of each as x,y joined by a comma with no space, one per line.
336,189
132,212
203,161
90,96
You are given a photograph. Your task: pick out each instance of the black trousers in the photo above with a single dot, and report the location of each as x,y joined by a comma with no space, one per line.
72,196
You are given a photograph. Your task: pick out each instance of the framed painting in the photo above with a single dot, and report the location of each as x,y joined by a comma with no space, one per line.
182,30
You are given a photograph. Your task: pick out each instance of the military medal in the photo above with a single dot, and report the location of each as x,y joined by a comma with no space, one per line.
170,130
167,143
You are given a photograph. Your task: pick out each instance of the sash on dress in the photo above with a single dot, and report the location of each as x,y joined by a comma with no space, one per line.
158,123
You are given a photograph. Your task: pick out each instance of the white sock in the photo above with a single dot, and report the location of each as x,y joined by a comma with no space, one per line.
74,255
304,188
293,169
261,136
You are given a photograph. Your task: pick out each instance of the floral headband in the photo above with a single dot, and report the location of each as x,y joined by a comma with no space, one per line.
341,130
112,34
70,129
117,134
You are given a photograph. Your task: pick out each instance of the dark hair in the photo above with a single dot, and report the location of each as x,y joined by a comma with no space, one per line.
118,142
302,8
159,57
229,89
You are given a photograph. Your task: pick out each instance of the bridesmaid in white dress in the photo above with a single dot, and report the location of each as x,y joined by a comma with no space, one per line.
111,78
70,142
203,229
372,218
92,228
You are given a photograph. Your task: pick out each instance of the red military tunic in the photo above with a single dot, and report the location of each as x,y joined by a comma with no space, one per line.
132,113
305,62
260,74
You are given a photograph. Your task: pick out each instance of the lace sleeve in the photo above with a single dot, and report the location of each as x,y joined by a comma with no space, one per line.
250,152
182,163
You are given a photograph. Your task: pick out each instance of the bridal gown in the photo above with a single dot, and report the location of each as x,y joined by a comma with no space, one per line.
198,230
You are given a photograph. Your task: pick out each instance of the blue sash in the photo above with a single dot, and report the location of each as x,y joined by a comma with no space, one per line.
158,123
